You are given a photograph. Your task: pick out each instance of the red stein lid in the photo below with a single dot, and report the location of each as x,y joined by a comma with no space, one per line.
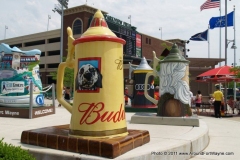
98,31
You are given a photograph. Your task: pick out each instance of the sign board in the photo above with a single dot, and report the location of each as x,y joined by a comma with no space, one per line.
24,112
12,87
123,30
138,45
40,100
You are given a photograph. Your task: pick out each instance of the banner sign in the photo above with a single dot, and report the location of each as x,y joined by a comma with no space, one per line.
12,87
14,112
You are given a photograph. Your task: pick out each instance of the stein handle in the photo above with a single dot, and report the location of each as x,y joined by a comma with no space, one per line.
154,73
145,88
61,68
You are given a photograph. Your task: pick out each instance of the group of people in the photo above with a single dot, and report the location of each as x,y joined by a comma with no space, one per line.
217,100
66,94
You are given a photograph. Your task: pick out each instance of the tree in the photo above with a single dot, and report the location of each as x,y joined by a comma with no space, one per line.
236,71
166,46
156,79
68,79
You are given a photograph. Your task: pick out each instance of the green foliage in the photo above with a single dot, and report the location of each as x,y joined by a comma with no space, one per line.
31,65
68,76
231,85
166,46
156,79
236,71
10,152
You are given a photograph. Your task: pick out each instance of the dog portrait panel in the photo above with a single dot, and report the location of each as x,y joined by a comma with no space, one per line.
88,77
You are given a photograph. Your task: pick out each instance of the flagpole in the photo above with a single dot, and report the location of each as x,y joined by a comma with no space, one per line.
220,37
225,92
234,43
208,43
225,33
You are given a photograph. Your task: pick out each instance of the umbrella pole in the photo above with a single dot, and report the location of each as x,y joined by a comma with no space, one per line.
225,97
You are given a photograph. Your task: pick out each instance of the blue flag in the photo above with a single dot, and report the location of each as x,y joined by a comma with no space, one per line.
220,21
202,36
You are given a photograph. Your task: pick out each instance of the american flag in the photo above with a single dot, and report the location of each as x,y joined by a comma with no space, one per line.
210,4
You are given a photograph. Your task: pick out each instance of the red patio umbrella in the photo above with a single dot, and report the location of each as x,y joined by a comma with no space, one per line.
217,75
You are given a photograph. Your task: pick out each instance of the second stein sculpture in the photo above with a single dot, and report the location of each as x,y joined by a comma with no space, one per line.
174,85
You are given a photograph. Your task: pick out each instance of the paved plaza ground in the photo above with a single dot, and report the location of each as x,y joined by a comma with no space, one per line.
224,137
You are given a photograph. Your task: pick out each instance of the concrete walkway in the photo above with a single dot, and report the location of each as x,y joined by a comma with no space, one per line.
224,137
219,137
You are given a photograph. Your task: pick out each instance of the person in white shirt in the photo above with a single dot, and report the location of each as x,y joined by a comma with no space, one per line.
190,98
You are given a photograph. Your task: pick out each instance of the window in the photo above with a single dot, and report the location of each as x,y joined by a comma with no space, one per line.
41,66
54,53
34,43
19,45
53,65
42,54
53,40
77,27
146,40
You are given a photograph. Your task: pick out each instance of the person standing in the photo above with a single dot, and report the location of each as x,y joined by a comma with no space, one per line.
230,102
63,92
125,95
156,93
198,100
67,94
218,96
190,98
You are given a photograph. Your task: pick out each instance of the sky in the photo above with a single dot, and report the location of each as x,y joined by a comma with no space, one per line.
179,19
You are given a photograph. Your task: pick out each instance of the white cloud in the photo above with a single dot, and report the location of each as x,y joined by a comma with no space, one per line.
178,19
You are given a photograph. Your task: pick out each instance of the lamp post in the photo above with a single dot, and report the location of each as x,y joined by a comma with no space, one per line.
49,17
6,27
129,17
233,47
226,41
234,63
185,48
161,31
63,4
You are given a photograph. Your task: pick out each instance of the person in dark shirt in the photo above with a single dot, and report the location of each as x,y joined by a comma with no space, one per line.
67,94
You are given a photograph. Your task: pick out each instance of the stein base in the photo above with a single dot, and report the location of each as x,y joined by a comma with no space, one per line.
101,137
57,137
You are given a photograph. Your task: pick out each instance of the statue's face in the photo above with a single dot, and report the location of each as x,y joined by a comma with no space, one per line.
186,76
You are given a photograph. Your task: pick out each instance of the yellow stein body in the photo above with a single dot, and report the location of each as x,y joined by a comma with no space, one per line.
98,103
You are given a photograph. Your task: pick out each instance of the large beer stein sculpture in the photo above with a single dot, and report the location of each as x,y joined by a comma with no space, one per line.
98,104
174,85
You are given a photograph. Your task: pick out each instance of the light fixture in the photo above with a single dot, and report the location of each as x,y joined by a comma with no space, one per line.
49,17
6,27
234,46
185,50
63,4
160,29
130,17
